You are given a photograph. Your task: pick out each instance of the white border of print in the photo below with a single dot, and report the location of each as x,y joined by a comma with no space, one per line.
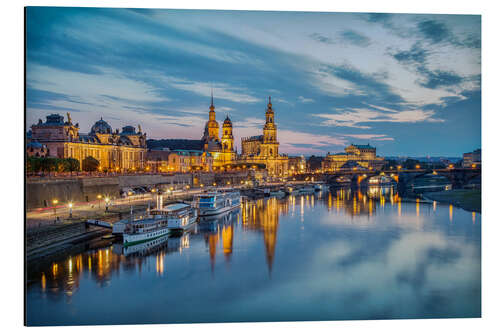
12,169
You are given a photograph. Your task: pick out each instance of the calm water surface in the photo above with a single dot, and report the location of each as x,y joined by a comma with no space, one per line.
332,255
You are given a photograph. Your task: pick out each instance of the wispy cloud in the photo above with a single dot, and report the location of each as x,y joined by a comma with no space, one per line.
359,117
355,38
221,90
157,67
302,99
376,137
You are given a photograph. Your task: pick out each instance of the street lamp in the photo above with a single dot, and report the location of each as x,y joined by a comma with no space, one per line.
70,206
54,202
129,196
99,198
107,202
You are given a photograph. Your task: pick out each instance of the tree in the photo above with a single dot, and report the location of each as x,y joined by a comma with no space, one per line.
410,163
390,163
72,164
90,164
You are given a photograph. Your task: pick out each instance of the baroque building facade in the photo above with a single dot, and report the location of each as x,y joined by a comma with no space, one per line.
115,150
364,156
221,149
264,149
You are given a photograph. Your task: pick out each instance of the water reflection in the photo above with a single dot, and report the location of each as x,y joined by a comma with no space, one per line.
329,243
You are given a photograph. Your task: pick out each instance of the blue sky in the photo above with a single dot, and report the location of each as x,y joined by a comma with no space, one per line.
407,84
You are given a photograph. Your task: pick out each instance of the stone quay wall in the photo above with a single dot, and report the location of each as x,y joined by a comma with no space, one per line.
41,192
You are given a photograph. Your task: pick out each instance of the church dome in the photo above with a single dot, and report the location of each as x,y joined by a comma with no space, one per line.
227,122
101,127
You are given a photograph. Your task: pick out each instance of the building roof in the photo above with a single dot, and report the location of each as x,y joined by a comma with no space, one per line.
128,130
174,144
253,138
155,155
54,119
188,152
101,127
35,145
227,121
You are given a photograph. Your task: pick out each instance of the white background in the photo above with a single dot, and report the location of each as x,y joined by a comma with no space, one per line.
12,150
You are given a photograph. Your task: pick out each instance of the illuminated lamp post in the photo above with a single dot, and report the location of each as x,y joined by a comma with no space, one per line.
54,202
129,198
99,197
106,200
70,206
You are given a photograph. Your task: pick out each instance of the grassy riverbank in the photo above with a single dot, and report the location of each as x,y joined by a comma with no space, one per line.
466,199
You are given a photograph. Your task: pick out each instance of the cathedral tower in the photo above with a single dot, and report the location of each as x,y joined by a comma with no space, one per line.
227,141
212,127
270,143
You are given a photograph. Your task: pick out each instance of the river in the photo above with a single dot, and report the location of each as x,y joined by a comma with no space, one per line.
333,255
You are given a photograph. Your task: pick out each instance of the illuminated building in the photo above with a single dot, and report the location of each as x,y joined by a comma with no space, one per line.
362,155
264,149
222,149
296,165
36,149
114,150
179,160
472,159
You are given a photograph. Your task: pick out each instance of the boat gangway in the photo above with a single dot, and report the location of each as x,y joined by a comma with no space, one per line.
100,223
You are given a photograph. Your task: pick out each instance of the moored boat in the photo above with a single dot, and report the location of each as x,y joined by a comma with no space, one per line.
142,248
380,180
180,216
217,202
279,193
142,230
306,190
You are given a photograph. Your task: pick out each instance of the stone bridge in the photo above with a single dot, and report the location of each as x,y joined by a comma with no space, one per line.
458,177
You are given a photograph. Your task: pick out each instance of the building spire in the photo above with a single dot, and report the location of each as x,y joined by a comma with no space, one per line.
212,107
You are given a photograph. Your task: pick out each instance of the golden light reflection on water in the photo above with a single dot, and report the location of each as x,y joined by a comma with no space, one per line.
259,217
43,282
160,258
473,217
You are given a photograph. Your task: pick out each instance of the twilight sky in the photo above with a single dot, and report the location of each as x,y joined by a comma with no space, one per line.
407,84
